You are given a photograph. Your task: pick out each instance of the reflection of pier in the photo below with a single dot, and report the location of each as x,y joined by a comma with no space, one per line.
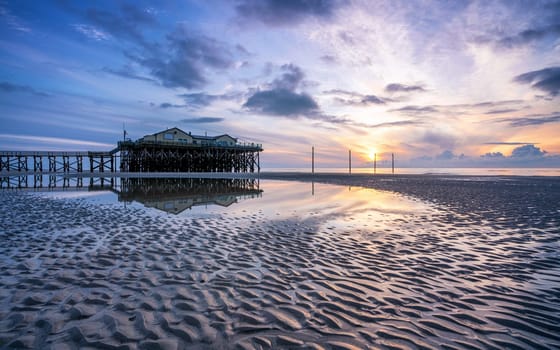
175,195
172,195
40,182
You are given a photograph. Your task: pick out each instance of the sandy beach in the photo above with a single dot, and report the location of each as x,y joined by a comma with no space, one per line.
361,262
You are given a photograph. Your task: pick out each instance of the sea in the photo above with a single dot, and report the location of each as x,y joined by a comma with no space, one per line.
437,171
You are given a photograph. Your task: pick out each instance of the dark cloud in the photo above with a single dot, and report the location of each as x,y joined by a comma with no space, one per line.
527,151
14,88
530,35
281,99
167,105
415,109
391,88
201,99
532,120
202,120
446,155
290,79
493,155
282,102
547,80
285,12
328,59
184,60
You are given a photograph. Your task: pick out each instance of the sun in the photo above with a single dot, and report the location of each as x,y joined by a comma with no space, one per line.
372,153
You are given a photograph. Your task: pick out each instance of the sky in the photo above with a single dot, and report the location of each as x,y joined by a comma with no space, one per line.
437,83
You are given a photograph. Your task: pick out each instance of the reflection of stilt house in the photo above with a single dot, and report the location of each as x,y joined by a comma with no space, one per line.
175,150
174,195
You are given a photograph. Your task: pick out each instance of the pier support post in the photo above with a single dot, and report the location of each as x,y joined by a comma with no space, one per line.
349,161
312,159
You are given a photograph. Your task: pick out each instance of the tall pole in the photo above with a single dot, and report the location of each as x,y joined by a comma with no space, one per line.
375,163
349,161
312,160
392,163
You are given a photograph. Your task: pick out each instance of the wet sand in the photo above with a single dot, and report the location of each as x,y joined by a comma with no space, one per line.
479,269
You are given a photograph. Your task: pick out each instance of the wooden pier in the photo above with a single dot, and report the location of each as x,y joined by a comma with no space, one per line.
57,162
171,150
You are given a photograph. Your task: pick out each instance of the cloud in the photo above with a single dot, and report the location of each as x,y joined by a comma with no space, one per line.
202,120
329,59
127,24
391,88
55,140
446,155
415,109
509,143
13,21
530,35
183,62
443,141
290,79
351,98
201,99
285,12
493,155
547,80
532,120
166,105
527,151
91,32
397,123
127,72
282,102
281,99
502,111
15,88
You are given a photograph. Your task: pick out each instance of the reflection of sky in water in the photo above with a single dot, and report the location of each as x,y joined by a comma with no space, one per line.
334,206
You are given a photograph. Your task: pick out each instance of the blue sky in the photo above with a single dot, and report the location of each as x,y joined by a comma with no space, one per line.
460,83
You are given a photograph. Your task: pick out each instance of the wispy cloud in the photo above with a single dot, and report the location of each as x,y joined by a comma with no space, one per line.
351,98
8,87
91,32
395,87
531,120
13,21
498,143
415,110
202,120
279,13
57,141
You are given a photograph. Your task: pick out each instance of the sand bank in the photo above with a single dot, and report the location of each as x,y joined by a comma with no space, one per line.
476,267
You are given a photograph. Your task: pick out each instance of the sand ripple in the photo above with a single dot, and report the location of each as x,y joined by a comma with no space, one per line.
100,276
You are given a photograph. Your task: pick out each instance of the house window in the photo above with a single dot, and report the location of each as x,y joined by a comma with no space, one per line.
168,136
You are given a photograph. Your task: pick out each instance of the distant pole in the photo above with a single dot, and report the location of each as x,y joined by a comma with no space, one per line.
349,161
392,163
312,160
375,163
